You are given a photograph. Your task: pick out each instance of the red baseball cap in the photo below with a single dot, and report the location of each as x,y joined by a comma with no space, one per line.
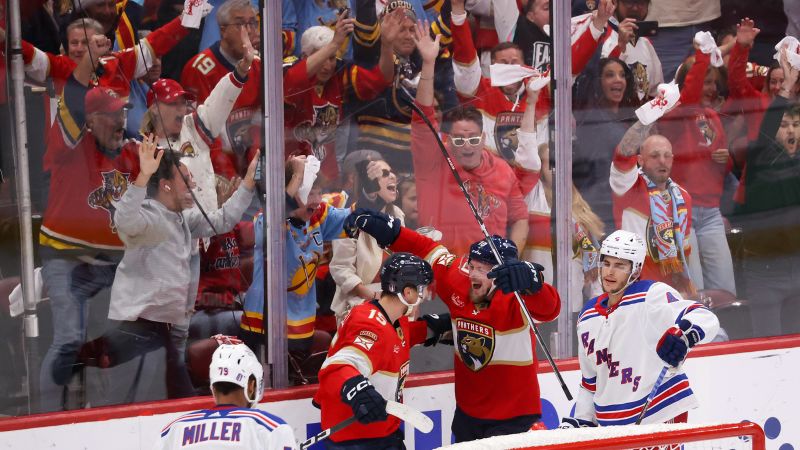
103,100
167,90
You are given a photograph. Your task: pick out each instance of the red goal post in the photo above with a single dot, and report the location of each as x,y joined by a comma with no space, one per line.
745,435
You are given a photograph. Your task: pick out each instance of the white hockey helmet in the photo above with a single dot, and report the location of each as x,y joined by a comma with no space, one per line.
235,363
626,245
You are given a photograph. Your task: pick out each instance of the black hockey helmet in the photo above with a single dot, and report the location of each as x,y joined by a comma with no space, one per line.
481,251
404,269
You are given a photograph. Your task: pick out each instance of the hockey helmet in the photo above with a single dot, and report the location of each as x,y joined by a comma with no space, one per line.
235,363
626,245
404,269
482,251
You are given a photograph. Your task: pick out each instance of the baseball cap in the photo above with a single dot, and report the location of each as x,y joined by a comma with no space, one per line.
104,100
167,91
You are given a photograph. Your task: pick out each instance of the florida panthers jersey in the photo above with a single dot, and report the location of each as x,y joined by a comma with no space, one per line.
618,359
204,71
227,426
367,344
494,347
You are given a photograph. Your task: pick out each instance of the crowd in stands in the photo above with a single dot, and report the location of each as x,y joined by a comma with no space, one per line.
172,252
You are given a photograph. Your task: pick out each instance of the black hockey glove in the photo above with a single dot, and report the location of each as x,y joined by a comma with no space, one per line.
382,227
439,324
571,422
521,276
367,404
676,342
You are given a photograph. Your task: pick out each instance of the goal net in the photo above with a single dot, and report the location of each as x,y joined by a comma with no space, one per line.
729,436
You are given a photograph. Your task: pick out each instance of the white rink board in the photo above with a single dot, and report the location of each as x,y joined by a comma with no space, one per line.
754,386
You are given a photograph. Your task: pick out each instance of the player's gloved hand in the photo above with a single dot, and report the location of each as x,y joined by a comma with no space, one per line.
367,404
382,227
676,342
439,324
571,422
522,276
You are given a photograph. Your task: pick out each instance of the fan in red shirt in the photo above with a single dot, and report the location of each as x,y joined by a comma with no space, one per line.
369,359
314,87
203,71
497,391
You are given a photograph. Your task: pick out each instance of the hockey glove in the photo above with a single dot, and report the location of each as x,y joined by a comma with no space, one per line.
382,227
676,342
571,422
439,324
367,404
522,276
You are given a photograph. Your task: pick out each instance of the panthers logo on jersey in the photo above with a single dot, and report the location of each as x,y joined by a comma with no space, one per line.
506,126
475,342
640,79
320,130
485,202
115,183
707,132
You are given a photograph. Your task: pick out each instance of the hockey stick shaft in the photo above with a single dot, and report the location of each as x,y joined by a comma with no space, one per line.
652,394
325,434
403,412
489,241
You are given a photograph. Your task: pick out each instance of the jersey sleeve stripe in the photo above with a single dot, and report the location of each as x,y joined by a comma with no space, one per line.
258,416
194,415
671,392
353,357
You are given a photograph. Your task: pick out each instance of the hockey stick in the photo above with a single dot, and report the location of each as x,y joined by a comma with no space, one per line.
403,412
652,394
489,241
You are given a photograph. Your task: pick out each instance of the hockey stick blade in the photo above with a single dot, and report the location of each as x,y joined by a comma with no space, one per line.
410,416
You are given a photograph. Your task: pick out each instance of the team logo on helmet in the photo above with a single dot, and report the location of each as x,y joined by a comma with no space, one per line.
115,183
320,130
475,343
506,126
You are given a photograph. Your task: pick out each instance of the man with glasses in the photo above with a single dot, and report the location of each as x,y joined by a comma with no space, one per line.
489,180
204,71
88,168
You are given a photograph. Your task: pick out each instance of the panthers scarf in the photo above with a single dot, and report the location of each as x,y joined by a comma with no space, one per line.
669,218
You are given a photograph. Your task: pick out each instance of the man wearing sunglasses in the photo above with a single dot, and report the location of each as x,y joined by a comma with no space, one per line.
489,180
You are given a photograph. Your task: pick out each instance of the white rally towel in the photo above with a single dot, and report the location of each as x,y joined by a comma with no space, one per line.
505,74
194,11
309,176
16,303
705,41
668,96
792,46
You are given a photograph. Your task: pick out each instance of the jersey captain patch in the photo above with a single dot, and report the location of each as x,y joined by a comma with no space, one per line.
475,343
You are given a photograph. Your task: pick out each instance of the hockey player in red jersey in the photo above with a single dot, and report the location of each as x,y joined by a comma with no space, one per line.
369,359
497,391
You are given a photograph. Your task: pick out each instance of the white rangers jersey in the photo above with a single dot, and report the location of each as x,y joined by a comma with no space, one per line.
618,360
227,426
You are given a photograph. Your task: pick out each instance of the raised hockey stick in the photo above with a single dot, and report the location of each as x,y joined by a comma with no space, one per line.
652,394
403,412
489,241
